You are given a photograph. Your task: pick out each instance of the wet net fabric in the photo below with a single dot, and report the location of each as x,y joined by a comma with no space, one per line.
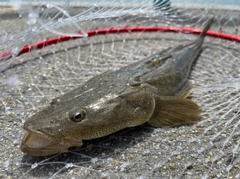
28,82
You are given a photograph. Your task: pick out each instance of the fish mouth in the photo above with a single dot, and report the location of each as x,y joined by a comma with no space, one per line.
38,145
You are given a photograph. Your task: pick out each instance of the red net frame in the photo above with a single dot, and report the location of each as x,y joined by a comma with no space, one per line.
39,45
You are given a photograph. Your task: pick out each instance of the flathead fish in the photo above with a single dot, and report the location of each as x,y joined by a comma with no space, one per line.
152,90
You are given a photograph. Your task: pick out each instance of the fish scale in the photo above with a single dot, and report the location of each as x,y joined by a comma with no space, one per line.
152,90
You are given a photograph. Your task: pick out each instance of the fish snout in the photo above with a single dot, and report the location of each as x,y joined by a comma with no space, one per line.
39,145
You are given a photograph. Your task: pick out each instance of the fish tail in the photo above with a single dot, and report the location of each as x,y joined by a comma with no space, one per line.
199,41
206,28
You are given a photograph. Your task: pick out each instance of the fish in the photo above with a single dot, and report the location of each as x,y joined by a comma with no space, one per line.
153,90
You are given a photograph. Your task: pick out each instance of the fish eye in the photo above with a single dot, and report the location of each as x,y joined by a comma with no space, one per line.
77,116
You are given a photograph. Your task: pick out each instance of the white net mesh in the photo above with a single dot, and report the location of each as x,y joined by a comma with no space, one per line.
208,149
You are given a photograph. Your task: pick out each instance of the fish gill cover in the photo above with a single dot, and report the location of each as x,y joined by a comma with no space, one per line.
28,82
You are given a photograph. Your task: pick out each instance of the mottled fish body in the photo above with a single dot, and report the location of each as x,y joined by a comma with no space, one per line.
152,90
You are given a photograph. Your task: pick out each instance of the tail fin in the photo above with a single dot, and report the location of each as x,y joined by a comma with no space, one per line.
198,43
206,28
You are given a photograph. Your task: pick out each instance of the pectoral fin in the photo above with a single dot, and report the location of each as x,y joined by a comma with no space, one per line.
174,111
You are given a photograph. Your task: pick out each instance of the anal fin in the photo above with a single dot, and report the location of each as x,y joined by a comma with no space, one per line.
174,111
186,89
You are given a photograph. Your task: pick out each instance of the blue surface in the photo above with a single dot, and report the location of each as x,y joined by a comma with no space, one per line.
220,2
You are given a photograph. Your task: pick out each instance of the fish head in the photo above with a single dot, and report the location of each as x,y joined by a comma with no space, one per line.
50,131
60,126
